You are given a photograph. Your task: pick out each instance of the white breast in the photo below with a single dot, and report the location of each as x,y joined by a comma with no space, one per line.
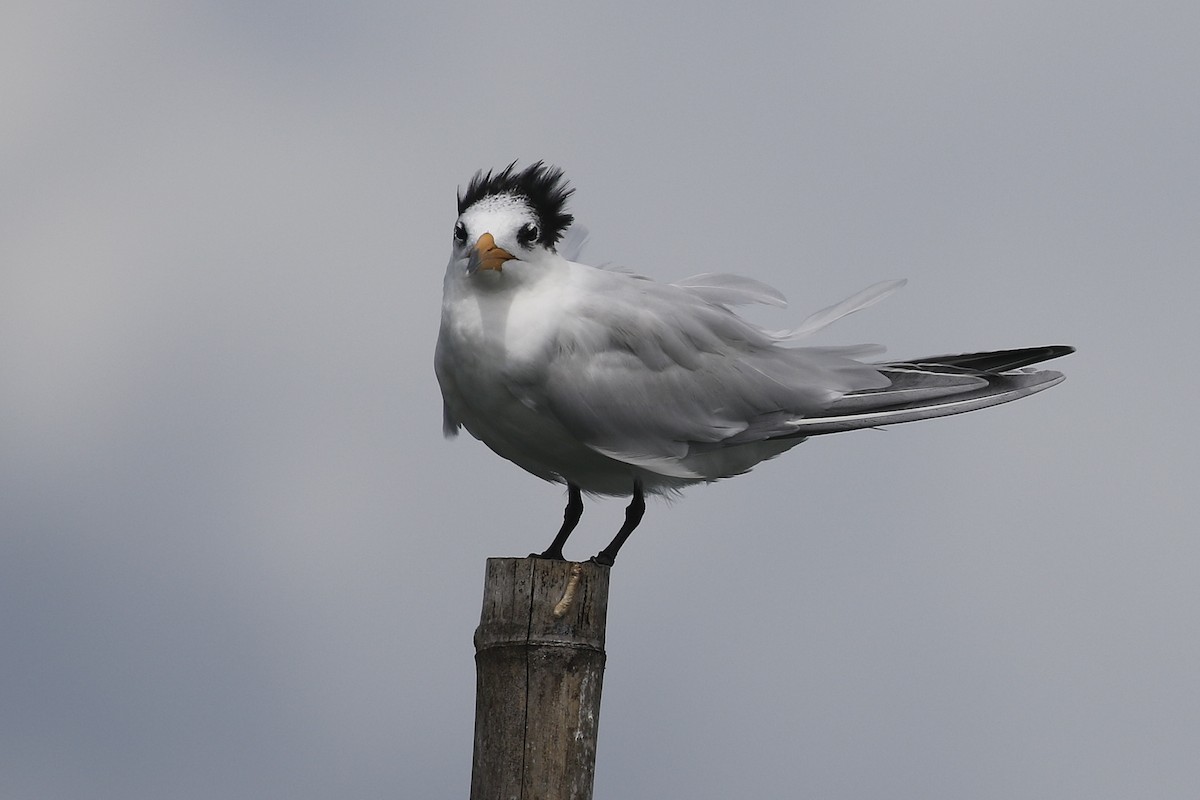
497,337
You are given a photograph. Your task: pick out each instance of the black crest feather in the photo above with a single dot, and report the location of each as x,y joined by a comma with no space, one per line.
540,185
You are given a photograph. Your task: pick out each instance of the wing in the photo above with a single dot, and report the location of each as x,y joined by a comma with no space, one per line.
937,386
449,386
572,243
731,290
643,372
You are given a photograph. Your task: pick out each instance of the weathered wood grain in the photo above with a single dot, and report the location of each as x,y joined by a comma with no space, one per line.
539,655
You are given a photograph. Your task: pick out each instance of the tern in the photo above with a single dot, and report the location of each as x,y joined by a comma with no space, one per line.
615,384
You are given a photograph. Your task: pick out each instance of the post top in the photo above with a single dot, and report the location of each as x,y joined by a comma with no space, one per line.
541,601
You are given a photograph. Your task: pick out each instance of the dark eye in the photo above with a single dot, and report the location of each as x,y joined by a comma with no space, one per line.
528,234
460,233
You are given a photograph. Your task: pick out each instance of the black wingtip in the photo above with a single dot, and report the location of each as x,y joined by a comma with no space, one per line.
999,360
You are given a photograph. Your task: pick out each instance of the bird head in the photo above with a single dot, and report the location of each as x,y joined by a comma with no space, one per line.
510,215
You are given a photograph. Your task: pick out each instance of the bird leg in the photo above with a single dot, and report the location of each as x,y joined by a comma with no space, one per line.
571,515
633,515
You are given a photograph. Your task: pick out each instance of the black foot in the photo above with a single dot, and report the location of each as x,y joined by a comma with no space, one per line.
571,515
633,516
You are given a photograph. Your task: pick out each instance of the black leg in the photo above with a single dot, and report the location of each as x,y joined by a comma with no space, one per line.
571,517
633,515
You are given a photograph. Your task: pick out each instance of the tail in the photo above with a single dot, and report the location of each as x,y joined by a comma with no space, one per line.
937,386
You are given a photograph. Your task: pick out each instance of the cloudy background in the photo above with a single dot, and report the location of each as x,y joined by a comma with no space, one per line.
239,561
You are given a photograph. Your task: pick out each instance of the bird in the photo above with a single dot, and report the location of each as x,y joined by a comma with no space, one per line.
615,384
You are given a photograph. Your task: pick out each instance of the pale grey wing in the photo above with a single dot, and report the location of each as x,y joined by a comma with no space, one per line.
875,293
937,386
445,376
450,425
734,290
644,372
570,246
731,290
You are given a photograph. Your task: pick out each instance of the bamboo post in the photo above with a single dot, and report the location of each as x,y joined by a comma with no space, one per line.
539,656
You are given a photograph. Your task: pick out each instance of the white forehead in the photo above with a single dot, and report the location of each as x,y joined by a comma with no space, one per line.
500,202
498,208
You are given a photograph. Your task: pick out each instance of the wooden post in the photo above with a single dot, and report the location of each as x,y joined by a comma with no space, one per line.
539,656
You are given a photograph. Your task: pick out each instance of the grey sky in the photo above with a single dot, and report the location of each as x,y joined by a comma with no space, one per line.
239,561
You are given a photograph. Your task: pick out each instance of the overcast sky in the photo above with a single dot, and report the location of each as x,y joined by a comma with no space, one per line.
238,560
